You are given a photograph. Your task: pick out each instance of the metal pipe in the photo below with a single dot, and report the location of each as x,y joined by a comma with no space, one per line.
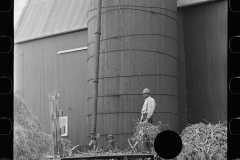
96,69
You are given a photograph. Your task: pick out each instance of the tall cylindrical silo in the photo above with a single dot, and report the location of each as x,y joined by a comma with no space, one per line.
152,32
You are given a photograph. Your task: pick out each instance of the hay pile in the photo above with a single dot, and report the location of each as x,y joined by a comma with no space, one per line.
144,136
204,142
29,141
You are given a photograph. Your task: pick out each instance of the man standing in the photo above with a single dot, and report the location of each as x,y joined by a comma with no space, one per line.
112,145
148,107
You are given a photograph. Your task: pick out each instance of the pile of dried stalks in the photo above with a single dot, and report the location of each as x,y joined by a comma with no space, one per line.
144,136
200,142
204,142
29,141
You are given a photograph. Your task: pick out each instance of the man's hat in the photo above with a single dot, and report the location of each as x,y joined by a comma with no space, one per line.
110,136
146,90
93,135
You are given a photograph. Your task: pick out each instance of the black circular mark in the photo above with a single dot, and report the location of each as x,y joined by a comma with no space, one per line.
168,144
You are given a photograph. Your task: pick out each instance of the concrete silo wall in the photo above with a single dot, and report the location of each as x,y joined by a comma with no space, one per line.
152,32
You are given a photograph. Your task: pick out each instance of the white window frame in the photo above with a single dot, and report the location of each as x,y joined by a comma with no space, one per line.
65,123
72,50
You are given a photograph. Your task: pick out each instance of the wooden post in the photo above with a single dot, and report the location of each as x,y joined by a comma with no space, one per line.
52,121
55,126
59,143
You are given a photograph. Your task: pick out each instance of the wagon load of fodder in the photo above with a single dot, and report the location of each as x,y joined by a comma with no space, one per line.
204,142
29,141
144,136
141,142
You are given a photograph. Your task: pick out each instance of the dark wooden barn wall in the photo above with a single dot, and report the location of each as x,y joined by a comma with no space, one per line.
41,70
182,101
205,38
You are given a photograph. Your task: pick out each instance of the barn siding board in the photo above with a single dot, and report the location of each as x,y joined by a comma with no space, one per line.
67,64
76,131
182,104
18,69
43,71
205,37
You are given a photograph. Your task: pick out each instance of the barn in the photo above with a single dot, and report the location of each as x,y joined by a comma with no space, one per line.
53,50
